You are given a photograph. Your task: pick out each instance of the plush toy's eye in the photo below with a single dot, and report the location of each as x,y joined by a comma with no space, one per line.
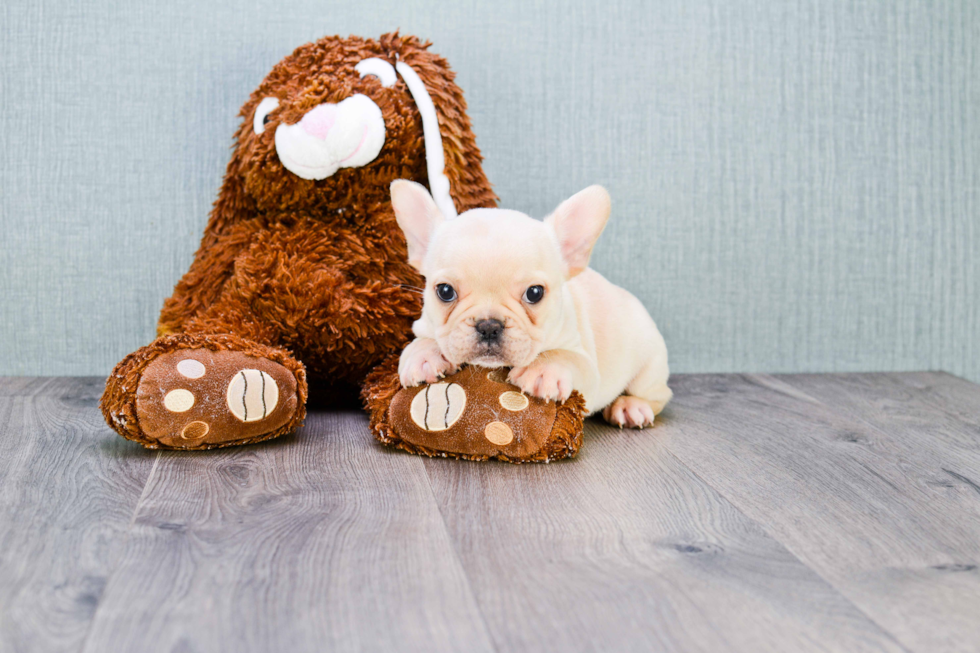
261,118
379,68
534,294
445,292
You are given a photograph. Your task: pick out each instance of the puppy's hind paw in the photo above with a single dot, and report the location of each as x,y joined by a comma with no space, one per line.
631,412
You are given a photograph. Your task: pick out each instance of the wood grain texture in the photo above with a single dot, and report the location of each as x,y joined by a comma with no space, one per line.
624,549
316,542
762,513
862,500
67,494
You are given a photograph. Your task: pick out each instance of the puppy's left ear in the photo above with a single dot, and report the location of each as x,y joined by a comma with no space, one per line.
578,222
417,215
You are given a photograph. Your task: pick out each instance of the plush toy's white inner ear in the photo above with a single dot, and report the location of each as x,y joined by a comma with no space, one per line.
435,161
379,68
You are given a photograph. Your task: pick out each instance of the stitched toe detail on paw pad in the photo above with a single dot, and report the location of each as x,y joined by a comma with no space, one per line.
191,368
179,401
499,375
498,433
195,430
514,401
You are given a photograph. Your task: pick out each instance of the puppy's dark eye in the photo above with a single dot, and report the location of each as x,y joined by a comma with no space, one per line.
534,294
265,121
445,292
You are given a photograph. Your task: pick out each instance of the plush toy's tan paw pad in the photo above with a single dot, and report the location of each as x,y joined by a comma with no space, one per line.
194,397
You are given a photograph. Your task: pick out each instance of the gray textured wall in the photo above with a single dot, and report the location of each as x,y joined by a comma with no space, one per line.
795,184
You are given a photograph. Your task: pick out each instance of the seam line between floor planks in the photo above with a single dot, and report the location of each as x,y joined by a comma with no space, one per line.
788,548
459,560
126,537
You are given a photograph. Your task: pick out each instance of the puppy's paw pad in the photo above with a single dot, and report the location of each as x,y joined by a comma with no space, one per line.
631,412
551,381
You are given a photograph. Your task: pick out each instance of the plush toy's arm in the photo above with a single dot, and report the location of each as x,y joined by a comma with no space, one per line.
202,283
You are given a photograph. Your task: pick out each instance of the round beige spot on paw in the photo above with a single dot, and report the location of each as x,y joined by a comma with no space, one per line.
498,433
498,375
438,406
252,395
191,368
178,401
514,401
195,430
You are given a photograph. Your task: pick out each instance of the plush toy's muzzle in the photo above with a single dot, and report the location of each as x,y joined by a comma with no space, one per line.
332,136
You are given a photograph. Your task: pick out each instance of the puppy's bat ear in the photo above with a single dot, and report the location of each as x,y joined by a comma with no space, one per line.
577,222
417,215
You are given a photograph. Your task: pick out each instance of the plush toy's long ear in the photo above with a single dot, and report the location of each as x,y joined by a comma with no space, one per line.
468,184
578,222
417,215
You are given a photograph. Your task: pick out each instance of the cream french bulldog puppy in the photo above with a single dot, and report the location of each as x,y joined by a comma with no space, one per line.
505,290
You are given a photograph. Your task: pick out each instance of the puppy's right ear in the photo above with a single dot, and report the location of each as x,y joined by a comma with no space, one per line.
417,215
577,222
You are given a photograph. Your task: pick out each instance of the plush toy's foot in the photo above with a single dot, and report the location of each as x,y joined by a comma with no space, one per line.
199,392
475,414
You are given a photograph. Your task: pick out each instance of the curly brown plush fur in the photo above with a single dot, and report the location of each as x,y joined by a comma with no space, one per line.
314,271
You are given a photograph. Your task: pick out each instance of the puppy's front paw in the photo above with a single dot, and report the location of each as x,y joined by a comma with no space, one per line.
547,380
628,411
422,362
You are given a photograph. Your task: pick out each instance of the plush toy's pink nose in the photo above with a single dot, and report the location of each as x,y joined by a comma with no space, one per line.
318,121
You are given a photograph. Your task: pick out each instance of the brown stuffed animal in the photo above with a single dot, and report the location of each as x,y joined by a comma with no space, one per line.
302,269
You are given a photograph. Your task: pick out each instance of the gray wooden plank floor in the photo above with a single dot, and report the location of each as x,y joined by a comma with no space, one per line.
761,513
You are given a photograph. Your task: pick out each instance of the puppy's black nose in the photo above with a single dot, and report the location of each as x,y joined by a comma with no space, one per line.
490,330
